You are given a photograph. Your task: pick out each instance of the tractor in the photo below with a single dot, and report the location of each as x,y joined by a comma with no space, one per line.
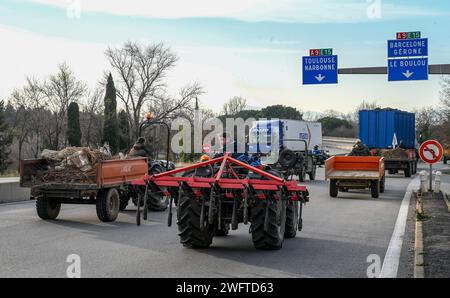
218,194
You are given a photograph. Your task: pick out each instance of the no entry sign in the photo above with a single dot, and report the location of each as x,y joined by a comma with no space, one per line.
431,151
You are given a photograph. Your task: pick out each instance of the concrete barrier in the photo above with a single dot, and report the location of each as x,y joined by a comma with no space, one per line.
10,191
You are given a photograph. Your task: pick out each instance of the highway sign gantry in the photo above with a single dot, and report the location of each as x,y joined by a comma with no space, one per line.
320,69
408,57
431,151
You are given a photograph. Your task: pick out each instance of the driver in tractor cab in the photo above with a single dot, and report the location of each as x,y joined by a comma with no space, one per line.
360,149
139,149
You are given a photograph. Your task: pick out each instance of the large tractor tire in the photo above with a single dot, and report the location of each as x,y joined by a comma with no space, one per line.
108,204
47,209
291,219
272,212
375,189
333,188
190,232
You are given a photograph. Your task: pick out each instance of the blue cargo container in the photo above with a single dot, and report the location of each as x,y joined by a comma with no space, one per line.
378,127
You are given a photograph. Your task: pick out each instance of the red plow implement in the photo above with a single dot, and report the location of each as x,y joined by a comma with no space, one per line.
220,193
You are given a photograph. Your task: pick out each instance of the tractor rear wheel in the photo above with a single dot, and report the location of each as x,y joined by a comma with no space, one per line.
291,219
191,234
268,218
47,209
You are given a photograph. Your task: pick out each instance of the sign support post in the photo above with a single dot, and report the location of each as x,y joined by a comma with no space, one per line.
431,178
431,152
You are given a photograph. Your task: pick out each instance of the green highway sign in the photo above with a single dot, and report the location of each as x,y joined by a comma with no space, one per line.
321,52
409,35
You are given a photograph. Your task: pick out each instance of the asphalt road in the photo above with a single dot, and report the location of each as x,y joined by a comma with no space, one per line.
338,236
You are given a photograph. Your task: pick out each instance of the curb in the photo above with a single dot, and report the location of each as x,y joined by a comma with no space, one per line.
419,271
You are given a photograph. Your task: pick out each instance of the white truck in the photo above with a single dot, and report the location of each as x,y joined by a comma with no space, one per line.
287,145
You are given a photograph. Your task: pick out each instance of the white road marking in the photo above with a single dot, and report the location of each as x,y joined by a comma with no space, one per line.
392,257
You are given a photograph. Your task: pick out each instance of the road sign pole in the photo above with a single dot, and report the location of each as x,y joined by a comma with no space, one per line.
431,178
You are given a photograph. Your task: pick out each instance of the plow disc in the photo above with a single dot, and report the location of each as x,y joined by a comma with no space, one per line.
220,193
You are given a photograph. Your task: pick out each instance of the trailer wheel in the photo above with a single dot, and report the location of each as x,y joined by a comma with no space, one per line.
190,232
291,219
408,170
273,213
333,188
375,189
47,209
108,204
312,174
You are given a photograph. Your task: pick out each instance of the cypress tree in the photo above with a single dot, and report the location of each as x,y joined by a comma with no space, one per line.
124,130
110,126
73,125
6,139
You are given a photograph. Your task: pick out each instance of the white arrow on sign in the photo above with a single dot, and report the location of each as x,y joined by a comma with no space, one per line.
320,77
408,74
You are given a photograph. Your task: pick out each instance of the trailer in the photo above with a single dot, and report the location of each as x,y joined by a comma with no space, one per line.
399,159
383,130
223,192
110,193
355,172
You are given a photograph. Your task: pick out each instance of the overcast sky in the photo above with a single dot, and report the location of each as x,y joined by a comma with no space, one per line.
251,48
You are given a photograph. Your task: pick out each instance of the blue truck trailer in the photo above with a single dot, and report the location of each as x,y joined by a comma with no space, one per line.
391,133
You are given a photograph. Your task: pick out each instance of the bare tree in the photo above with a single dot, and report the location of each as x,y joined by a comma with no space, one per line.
234,105
445,96
140,72
365,105
428,120
61,89
91,122
167,107
30,119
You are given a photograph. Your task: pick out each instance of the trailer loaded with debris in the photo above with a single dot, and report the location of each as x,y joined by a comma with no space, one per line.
81,176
